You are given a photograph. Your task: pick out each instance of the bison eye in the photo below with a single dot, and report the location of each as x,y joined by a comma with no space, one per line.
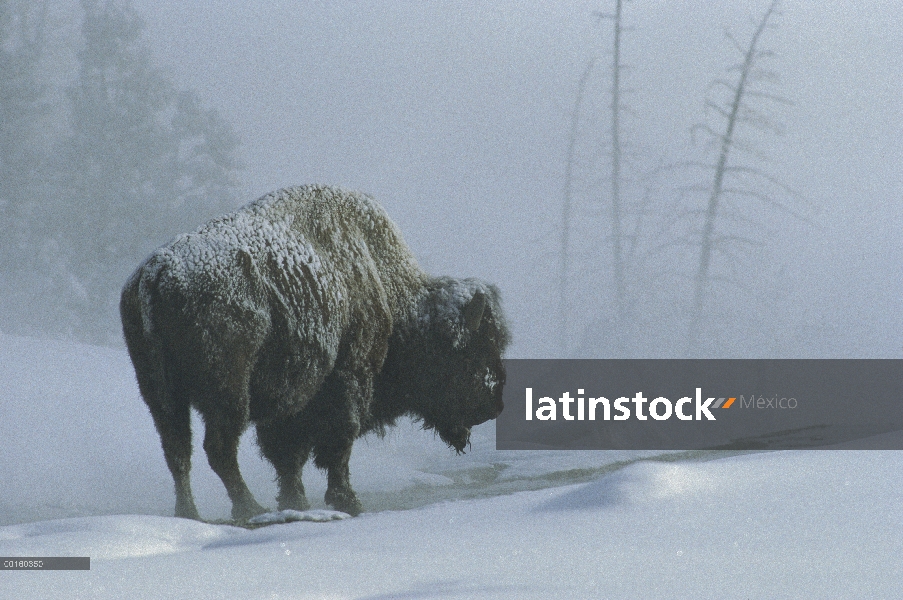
489,379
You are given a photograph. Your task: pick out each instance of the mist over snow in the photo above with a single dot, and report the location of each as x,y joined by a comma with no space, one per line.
85,445
84,476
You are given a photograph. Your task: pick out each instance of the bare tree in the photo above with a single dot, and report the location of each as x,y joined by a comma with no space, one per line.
616,211
732,179
735,194
617,233
564,265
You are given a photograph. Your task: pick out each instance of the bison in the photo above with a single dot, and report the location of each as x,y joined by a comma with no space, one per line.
305,313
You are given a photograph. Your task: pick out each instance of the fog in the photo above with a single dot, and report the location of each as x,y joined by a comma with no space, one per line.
119,134
456,117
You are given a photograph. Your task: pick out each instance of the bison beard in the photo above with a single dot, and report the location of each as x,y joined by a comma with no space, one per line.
305,313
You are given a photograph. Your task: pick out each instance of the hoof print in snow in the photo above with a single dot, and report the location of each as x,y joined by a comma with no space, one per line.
289,516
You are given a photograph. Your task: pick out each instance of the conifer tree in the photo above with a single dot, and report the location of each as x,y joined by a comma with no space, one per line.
22,105
142,163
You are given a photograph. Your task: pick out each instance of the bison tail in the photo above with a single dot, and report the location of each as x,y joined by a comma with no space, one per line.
139,295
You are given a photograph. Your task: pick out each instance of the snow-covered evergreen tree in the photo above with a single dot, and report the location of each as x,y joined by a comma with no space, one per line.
22,104
142,162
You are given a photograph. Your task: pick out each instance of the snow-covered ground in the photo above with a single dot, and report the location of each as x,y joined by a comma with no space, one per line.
83,475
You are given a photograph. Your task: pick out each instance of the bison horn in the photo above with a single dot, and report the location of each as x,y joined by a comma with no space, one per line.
473,311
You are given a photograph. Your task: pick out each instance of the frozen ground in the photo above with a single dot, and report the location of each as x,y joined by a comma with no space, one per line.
79,444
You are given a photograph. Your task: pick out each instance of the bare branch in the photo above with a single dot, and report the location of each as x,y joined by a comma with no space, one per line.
767,96
738,239
734,41
722,82
766,75
772,180
724,113
704,128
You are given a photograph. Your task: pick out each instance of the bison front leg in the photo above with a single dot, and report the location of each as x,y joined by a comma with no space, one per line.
344,396
338,484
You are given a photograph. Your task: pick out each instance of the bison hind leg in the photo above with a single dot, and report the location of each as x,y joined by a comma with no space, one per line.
174,427
169,408
283,443
172,418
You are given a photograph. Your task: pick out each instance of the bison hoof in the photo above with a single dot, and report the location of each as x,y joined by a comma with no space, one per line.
297,503
243,512
186,509
344,501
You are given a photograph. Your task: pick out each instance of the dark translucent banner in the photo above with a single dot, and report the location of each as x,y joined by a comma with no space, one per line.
45,563
701,404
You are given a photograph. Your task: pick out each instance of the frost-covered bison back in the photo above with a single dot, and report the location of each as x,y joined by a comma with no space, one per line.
306,313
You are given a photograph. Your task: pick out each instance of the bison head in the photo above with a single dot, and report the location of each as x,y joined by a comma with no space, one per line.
450,373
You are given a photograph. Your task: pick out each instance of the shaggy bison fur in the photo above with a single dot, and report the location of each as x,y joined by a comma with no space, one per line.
305,313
